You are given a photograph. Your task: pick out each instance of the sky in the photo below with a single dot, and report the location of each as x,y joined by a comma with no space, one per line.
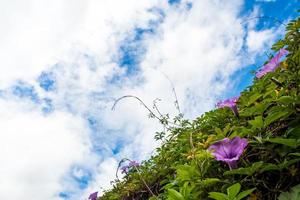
64,63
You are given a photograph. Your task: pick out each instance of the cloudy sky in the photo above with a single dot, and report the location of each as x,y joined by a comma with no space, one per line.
64,63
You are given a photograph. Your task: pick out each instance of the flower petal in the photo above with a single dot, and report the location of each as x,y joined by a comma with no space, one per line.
272,64
237,146
220,149
229,151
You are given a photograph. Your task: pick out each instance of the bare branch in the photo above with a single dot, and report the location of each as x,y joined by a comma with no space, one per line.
155,106
143,104
137,98
264,17
173,90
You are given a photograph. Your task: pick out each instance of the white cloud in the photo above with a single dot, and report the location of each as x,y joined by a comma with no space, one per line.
37,151
193,48
198,49
259,40
33,34
106,172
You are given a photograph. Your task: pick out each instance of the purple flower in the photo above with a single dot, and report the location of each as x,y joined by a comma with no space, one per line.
229,150
230,103
272,64
124,169
133,164
93,196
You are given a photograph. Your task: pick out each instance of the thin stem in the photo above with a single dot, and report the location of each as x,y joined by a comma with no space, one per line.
137,98
276,82
156,108
119,165
264,17
232,165
191,140
235,111
174,92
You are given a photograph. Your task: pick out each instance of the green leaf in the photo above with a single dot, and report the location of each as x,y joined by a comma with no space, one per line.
219,131
217,196
273,116
285,141
244,193
226,129
286,100
209,181
295,154
253,98
233,190
186,189
186,172
269,167
294,194
247,170
280,166
278,45
153,198
174,195
254,110
287,163
294,132
257,122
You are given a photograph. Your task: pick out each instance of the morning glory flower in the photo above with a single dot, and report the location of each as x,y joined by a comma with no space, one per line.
272,64
229,150
230,103
133,164
93,196
124,169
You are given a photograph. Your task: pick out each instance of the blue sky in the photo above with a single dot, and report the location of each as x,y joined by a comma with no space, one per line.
64,66
272,14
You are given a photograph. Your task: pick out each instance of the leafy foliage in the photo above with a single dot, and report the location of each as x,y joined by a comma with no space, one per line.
233,193
294,194
269,118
